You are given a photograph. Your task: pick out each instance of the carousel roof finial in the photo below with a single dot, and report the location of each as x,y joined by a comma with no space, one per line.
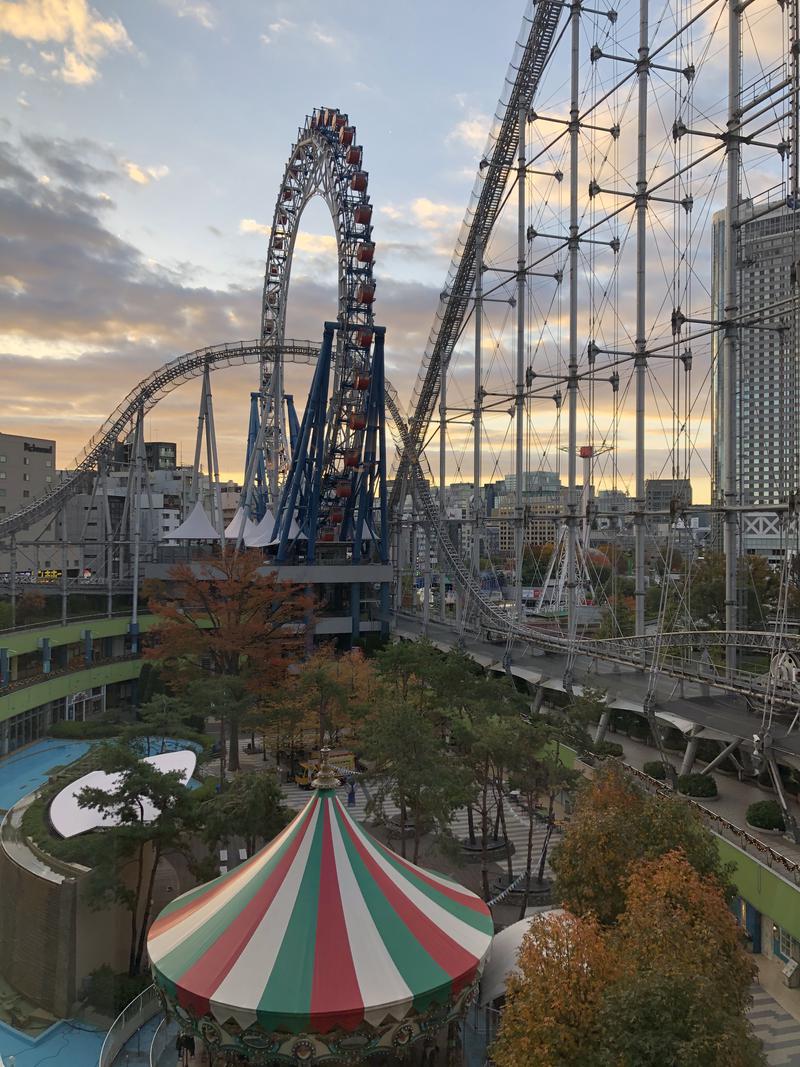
325,778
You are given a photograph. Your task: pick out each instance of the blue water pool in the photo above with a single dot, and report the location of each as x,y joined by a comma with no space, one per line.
66,1044
24,771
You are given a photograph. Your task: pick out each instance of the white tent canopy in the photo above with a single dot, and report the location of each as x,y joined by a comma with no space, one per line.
234,528
69,818
261,536
295,533
196,527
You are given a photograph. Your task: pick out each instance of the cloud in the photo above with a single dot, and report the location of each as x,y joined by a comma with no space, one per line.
274,29
322,36
315,33
200,12
23,100
472,132
26,70
84,36
251,226
84,314
144,175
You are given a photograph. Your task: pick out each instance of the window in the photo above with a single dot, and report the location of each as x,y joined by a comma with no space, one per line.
2,474
26,493
2,459
783,944
26,477
25,461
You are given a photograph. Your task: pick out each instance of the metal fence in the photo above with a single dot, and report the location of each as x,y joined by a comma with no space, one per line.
163,1039
134,1015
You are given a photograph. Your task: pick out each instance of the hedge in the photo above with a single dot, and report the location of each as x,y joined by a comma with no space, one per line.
697,785
766,814
656,769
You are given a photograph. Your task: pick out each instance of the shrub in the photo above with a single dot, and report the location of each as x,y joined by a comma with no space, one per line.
656,769
110,992
83,731
608,748
766,814
697,785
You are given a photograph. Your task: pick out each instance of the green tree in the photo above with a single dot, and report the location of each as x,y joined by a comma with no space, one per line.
614,827
537,772
413,767
137,786
618,618
250,807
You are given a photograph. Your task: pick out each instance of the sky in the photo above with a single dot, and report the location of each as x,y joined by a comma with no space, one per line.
141,152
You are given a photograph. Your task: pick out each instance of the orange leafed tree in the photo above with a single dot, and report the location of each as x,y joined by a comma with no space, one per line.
554,1003
225,619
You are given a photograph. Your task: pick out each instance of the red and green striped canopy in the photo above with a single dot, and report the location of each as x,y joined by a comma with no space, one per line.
324,929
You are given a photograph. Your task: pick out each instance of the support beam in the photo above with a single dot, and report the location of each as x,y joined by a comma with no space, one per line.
731,335
477,414
726,751
602,727
640,345
442,481
689,755
519,399
572,380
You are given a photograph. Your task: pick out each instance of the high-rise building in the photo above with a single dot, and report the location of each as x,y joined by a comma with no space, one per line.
767,386
27,470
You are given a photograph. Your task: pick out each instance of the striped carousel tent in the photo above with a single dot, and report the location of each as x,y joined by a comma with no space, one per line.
322,945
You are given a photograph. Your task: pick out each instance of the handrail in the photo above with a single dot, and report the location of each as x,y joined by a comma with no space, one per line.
40,679
162,1039
656,787
132,1016
58,623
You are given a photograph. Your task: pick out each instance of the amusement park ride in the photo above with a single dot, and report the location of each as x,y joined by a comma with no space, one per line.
614,160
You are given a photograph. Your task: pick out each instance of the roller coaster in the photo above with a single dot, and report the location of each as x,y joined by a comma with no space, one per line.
325,481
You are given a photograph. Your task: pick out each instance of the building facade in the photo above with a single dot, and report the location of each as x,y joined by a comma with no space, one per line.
767,386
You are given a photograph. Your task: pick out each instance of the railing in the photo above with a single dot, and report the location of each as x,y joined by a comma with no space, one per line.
722,826
45,624
163,1038
136,1014
60,672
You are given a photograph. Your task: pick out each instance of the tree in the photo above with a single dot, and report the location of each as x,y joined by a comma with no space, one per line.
413,767
169,716
667,987
250,807
685,980
227,619
484,726
615,826
553,1010
536,772
618,618
136,785
335,689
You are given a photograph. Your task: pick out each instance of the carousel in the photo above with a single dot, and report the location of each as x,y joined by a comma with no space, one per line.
324,947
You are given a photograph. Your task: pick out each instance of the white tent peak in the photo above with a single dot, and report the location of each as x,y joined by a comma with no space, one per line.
235,526
195,527
261,536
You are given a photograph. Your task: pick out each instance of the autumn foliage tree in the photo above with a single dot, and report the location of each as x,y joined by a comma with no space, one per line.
554,1003
668,986
614,827
228,619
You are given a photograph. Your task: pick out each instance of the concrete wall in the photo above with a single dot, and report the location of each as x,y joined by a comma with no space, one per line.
37,936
